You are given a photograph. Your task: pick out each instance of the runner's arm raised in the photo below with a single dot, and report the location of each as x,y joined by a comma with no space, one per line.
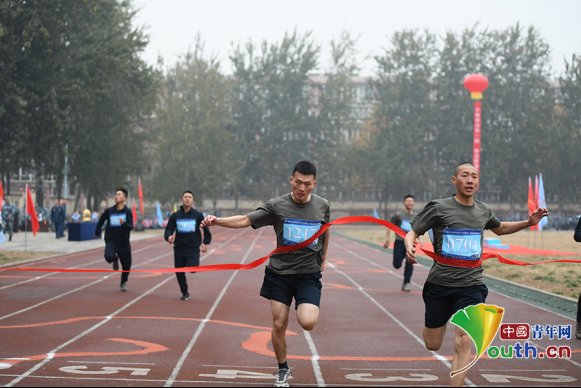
227,222
513,227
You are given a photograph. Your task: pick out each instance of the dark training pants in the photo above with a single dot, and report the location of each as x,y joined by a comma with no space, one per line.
399,254
183,259
114,249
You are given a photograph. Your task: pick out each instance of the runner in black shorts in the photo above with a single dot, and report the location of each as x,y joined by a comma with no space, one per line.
403,220
119,225
183,230
295,217
450,288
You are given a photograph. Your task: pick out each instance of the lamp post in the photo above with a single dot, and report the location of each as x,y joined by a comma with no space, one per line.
476,85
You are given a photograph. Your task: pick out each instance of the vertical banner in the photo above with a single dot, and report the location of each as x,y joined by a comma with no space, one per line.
158,214
140,194
542,202
531,201
477,134
134,213
30,210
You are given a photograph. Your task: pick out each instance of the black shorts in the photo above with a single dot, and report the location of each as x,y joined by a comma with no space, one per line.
305,288
443,302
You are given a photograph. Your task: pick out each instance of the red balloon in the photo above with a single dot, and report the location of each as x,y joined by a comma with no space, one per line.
476,83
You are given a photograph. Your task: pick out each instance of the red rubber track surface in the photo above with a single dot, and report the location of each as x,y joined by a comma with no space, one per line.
75,329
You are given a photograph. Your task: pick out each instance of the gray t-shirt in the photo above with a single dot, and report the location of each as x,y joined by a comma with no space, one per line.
293,223
458,234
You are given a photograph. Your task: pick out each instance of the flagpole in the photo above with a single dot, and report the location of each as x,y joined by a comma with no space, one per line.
25,213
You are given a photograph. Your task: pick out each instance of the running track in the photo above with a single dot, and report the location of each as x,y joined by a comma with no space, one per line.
78,329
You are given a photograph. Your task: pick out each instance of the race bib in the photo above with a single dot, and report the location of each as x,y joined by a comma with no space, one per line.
463,244
186,226
296,231
115,219
406,226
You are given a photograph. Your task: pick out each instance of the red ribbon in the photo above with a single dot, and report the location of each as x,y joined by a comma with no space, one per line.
306,243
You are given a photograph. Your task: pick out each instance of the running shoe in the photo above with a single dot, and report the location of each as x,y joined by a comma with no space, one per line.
282,378
123,287
406,287
185,296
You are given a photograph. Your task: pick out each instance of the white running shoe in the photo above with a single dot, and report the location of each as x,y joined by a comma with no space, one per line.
282,378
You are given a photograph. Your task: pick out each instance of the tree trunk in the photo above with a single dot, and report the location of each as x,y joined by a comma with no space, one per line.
39,191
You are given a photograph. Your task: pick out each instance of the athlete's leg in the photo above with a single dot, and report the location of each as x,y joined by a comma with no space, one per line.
462,356
110,252
125,258
308,299
433,337
180,262
399,253
308,316
408,272
280,314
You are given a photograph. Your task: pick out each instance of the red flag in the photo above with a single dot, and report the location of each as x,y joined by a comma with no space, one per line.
1,194
536,192
31,211
134,212
531,201
140,193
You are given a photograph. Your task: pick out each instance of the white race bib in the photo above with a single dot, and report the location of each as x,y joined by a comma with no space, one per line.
463,244
296,231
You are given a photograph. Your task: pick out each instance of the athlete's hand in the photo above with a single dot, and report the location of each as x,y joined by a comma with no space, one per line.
171,238
536,217
203,248
386,244
210,221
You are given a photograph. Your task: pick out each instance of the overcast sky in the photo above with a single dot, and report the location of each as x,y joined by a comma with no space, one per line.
173,24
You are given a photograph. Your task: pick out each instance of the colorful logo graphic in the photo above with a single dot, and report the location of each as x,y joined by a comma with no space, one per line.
515,331
481,323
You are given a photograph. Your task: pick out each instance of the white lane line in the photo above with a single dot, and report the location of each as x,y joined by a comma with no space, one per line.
55,273
84,333
76,289
51,354
439,357
389,270
118,363
315,359
497,293
172,379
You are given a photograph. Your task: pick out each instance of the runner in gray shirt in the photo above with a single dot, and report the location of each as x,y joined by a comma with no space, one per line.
458,224
295,217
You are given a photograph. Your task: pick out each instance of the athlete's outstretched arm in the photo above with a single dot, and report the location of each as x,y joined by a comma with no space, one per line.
228,222
513,227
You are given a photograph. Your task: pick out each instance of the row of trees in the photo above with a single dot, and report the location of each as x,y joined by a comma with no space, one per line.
249,128
72,75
